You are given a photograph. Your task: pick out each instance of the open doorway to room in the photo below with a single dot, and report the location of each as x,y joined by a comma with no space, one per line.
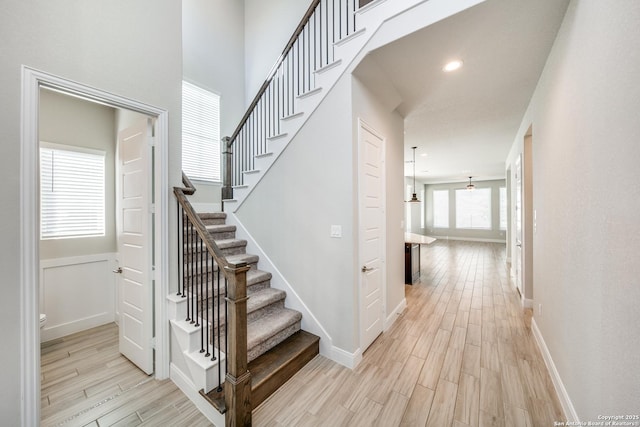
71,259
528,218
95,251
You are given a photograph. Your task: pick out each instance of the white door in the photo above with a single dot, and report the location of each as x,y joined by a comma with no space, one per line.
133,204
371,205
517,218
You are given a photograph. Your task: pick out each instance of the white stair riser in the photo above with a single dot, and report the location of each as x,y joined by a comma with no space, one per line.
204,371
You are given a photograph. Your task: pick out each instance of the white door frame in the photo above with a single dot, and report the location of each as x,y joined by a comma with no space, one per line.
364,125
32,81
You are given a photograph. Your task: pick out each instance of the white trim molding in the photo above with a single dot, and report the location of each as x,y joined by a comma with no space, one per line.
190,390
567,407
88,286
343,357
32,81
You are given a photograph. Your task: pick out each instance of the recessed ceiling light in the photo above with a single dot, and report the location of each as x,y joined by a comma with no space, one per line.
423,155
452,66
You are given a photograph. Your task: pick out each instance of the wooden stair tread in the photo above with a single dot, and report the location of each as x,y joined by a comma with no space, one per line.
273,368
215,399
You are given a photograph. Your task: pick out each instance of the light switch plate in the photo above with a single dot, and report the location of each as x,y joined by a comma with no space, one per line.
336,231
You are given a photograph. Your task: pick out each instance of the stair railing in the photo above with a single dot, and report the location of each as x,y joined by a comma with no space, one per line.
206,274
310,48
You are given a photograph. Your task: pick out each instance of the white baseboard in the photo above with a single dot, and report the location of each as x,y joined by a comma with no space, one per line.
343,357
567,407
395,314
469,239
189,389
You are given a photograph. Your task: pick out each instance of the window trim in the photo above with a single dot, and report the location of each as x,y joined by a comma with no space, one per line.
464,191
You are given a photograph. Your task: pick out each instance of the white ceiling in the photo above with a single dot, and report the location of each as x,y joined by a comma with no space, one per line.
465,121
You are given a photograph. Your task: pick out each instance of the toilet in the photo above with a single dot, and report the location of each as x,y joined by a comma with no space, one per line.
43,320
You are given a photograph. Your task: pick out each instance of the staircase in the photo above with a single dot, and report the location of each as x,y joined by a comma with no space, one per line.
269,322
276,345
333,36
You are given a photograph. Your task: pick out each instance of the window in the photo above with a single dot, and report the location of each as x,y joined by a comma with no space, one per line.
441,208
200,133
503,208
72,192
473,209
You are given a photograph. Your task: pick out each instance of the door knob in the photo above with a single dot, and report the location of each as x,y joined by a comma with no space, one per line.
119,270
365,269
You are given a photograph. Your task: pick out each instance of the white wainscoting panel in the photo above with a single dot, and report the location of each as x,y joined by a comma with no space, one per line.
77,293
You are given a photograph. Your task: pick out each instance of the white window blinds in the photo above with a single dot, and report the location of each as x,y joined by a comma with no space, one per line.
72,192
200,133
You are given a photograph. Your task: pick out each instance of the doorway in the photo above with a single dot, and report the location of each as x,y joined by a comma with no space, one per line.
371,195
528,218
33,82
523,221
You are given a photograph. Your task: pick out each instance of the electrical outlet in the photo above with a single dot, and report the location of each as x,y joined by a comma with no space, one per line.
540,310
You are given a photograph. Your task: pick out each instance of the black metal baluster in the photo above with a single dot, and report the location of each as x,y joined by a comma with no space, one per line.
198,280
202,302
207,325
354,15
180,250
219,342
226,337
190,271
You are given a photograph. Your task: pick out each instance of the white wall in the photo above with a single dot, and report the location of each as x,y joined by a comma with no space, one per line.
390,124
291,210
213,54
128,48
584,114
213,58
268,27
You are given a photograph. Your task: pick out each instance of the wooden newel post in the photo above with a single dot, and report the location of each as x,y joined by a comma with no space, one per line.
237,386
227,152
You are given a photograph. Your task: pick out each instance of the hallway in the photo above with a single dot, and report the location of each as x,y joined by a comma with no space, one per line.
462,354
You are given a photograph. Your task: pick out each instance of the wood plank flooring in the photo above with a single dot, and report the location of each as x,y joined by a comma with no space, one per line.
462,354
85,381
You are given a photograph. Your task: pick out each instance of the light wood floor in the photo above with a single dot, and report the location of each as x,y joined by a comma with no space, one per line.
462,354
86,382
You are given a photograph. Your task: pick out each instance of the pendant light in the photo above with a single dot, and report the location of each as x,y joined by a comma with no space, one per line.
413,197
470,186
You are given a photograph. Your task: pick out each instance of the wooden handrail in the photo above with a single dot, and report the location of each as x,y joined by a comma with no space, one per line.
201,229
272,73
188,188
237,386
